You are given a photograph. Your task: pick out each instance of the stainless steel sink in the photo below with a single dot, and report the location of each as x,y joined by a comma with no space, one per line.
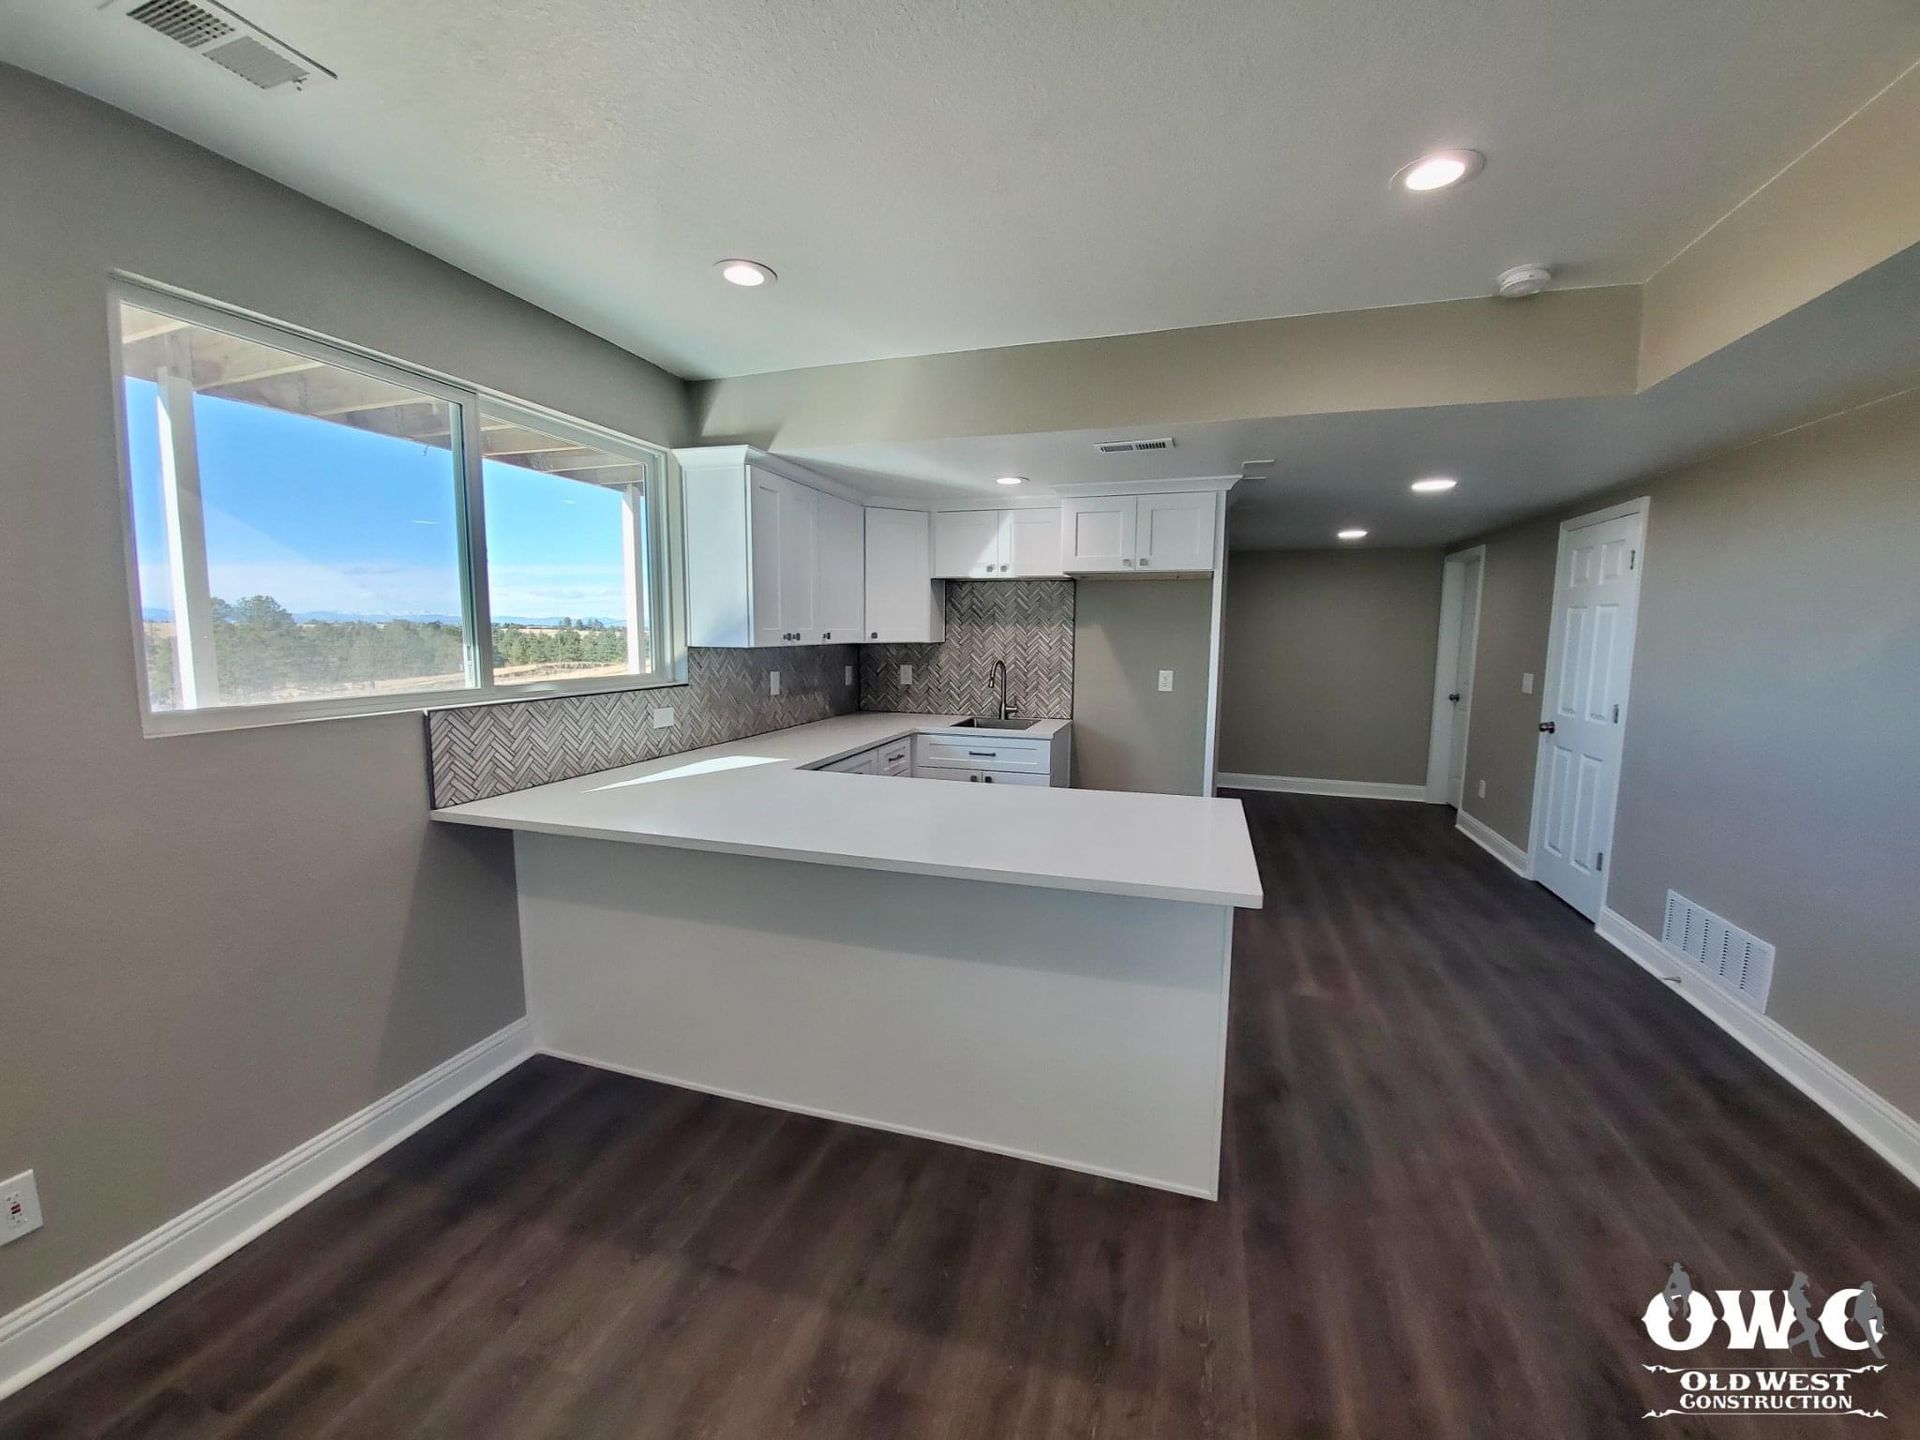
989,722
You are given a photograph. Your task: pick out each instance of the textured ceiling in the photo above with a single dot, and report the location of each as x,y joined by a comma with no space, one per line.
929,175
1858,342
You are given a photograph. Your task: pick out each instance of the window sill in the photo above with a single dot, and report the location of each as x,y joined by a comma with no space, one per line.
353,707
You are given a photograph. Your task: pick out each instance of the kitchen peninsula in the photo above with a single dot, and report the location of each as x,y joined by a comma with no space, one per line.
1032,970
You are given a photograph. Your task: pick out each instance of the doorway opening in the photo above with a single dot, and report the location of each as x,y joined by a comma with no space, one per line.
1453,676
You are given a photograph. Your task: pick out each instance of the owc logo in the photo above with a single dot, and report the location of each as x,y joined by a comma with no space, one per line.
1681,1318
1851,1319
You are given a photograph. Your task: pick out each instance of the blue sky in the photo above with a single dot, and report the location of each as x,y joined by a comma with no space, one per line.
324,517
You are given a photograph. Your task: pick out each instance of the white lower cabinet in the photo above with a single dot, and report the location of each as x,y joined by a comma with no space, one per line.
989,777
865,763
961,752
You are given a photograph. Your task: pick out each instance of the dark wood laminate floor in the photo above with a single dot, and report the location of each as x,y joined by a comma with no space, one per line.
1464,1138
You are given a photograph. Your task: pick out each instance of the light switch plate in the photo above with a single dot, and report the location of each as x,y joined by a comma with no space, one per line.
1166,679
1526,683
1483,790
848,679
906,674
773,682
660,717
19,1207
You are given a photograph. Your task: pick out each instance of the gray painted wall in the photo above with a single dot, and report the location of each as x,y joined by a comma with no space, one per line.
1127,734
1771,763
218,945
1327,663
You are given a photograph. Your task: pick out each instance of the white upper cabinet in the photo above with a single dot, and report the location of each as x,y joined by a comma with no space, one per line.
840,600
1175,532
762,543
904,603
1135,535
966,544
996,544
1030,542
759,549
1097,534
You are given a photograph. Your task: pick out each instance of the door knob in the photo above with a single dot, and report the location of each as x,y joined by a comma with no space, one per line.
1547,727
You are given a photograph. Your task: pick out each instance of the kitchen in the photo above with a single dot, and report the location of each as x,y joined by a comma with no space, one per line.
1042,973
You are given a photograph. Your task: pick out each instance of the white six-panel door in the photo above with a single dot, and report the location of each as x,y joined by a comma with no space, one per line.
1596,600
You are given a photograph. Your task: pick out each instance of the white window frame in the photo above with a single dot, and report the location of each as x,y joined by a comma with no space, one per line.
654,528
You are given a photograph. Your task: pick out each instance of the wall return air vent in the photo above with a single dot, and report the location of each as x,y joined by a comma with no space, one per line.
227,38
1131,447
1725,954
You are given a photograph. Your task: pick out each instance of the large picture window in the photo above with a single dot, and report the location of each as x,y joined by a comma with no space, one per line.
315,532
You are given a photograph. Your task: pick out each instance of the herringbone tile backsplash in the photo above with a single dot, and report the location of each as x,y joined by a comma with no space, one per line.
479,751
1027,623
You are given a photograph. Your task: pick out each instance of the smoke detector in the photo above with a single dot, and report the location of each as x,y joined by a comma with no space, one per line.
227,38
1523,280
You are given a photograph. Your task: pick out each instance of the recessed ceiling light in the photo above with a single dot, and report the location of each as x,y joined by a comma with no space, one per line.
1439,170
1434,484
1354,534
745,272
1011,480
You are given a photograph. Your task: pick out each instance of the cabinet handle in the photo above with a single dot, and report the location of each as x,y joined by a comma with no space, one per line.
982,754
1126,562
1144,562
987,778
974,778
876,634
1006,567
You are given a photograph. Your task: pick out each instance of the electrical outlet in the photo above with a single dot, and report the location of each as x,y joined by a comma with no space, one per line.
848,678
1526,683
19,1207
773,682
906,674
1166,680
1482,791
660,717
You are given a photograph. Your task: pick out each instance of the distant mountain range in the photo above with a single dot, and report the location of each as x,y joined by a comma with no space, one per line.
347,617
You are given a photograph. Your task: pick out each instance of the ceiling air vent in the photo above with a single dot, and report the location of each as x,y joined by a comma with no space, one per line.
1131,447
232,42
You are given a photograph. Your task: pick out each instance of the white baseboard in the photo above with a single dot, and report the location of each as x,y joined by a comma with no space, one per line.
1889,1131
1495,844
61,1323
1303,785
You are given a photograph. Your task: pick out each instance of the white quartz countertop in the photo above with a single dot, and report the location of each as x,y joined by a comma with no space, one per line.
757,797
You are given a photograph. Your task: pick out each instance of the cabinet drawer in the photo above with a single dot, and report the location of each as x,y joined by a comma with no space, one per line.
986,777
894,759
957,752
861,764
